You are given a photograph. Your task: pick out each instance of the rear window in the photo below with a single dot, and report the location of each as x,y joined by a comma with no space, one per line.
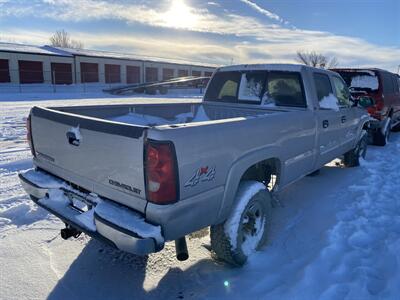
273,88
360,80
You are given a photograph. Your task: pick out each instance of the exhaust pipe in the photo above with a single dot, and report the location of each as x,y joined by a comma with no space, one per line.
181,249
68,232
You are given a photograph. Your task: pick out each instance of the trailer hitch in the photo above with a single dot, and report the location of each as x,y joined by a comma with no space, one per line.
69,231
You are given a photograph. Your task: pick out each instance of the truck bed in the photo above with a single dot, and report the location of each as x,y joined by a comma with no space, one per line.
105,155
162,114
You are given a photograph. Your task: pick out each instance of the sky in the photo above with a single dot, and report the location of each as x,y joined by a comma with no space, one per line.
359,33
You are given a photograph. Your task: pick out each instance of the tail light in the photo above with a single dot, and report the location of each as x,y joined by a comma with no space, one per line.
29,135
379,105
161,172
376,110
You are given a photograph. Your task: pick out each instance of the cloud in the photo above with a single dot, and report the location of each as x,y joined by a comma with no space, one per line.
213,37
263,11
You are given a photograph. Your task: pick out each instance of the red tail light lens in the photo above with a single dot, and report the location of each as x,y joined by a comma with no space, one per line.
29,135
371,110
379,105
161,173
376,110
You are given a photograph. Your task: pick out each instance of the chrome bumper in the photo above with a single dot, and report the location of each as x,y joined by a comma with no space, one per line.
103,227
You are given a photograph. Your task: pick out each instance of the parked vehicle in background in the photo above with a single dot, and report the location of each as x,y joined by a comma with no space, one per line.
138,175
379,92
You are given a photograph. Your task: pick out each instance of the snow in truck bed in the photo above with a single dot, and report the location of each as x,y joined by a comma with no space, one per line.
149,120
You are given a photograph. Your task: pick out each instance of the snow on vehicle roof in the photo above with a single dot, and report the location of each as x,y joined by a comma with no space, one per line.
275,67
366,71
271,67
48,50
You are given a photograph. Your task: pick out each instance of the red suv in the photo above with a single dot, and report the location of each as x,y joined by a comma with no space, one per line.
379,92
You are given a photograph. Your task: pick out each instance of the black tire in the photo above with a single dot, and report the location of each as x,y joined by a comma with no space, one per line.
151,91
396,128
225,246
163,90
315,173
380,137
352,158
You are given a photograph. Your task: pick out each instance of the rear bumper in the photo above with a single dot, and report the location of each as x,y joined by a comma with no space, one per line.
379,125
111,223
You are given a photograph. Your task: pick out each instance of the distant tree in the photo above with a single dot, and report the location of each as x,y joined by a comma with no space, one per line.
317,60
62,39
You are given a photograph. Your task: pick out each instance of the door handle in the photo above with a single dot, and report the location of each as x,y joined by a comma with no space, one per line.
325,123
343,119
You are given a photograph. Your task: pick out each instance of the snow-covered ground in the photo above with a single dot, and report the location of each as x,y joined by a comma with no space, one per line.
336,236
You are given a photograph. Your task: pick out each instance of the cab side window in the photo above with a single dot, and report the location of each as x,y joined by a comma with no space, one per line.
323,86
342,92
285,89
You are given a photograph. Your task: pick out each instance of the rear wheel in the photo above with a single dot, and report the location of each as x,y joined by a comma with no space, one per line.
151,90
163,90
245,231
381,137
396,128
352,158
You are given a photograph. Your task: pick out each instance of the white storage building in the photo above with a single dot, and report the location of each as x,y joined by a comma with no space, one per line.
26,64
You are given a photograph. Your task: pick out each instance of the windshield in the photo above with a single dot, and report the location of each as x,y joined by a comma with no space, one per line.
360,80
273,88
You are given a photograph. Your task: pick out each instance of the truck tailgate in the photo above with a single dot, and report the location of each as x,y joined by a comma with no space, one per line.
100,156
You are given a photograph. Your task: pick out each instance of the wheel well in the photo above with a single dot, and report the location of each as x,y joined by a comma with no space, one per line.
265,171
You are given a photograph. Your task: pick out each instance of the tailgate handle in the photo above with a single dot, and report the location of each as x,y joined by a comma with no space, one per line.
325,123
343,119
72,139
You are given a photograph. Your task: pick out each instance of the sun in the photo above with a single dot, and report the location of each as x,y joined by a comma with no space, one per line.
180,15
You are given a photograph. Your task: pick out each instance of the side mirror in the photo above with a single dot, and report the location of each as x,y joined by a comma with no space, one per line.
365,101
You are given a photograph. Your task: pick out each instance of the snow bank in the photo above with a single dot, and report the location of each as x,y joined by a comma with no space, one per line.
365,81
329,102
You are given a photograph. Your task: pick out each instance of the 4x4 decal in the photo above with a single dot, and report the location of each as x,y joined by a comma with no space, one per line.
200,175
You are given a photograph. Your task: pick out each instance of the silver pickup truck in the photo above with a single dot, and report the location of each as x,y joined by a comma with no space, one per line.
138,175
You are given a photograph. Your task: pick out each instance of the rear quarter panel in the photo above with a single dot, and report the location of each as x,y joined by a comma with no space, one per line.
232,146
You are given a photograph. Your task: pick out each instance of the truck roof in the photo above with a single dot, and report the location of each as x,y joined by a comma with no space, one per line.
271,67
359,70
